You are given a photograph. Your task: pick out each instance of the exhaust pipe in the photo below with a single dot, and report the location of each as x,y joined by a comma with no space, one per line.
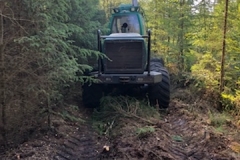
135,3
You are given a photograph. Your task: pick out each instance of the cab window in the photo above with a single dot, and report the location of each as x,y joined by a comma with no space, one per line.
126,24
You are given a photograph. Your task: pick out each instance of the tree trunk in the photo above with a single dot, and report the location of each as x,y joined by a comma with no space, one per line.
221,88
2,80
181,37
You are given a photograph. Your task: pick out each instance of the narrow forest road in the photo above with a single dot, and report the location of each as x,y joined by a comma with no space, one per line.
183,133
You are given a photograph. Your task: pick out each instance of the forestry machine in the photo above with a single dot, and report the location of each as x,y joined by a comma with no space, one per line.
127,68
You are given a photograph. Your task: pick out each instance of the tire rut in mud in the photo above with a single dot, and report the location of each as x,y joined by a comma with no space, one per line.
82,145
191,139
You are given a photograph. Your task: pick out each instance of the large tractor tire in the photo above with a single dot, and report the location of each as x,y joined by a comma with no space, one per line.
159,94
91,95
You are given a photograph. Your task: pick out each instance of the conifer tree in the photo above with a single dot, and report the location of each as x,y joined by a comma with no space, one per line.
43,45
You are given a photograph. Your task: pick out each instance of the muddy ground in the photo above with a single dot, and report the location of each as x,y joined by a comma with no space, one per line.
184,132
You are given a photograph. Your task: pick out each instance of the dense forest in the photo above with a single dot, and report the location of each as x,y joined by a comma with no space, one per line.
44,47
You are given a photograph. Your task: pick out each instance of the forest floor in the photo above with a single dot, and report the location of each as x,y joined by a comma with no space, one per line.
190,130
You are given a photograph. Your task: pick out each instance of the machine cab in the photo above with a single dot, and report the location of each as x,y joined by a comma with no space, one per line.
127,19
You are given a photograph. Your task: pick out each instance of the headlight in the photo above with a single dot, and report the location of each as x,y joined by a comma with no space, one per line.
132,9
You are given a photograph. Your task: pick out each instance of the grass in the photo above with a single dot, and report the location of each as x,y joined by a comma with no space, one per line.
145,131
220,129
218,119
115,110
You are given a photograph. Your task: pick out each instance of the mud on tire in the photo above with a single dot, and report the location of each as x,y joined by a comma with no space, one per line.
91,95
160,93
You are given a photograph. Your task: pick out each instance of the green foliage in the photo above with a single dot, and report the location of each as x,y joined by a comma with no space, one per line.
68,116
208,71
218,119
144,131
46,51
207,43
100,127
220,129
177,138
231,101
169,23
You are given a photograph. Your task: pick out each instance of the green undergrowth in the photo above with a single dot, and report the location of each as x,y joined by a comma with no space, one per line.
115,111
69,113
220,121
69,116
144,131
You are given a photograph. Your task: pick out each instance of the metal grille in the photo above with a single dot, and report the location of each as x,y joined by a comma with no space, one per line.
125,56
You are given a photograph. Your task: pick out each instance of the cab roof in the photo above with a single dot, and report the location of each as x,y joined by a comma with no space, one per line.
122,8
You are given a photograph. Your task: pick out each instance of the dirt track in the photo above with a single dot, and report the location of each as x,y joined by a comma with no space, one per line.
180,134
79,146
